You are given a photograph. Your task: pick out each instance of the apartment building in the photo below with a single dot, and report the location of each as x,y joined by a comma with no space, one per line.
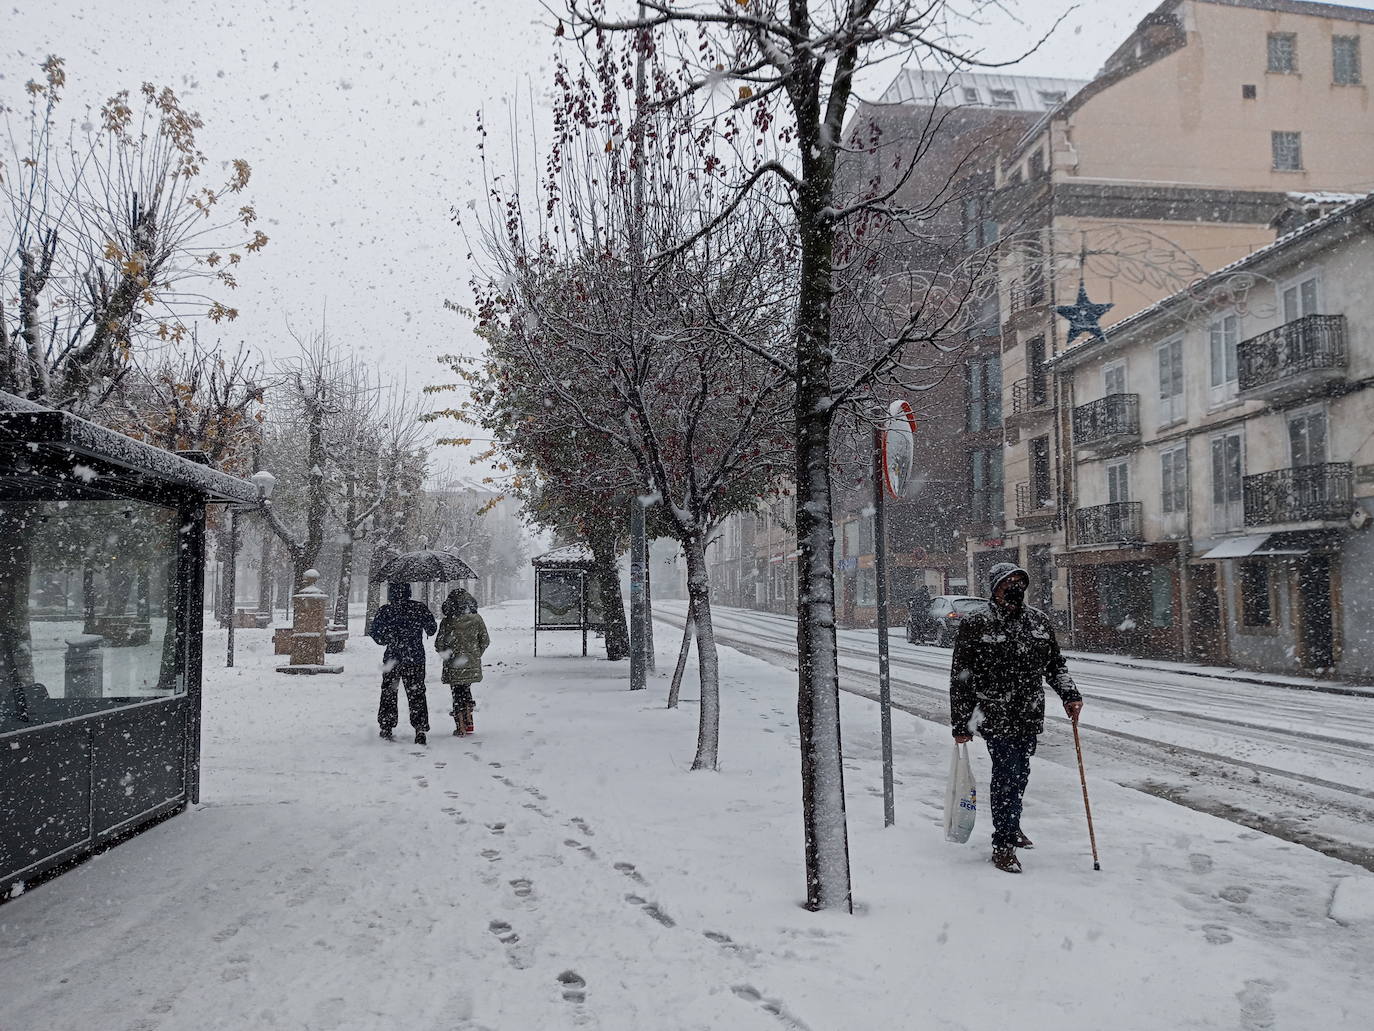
1173,161
1222,459
962,124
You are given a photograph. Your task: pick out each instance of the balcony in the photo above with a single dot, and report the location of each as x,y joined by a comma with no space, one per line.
1109,425
1295,360
1116,523
1304,494
1030,397
1025,300
1034,508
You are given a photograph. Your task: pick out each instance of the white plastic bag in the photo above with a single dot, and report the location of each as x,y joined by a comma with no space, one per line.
961,797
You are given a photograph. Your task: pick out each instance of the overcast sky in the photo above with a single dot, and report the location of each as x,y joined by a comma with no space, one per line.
357,119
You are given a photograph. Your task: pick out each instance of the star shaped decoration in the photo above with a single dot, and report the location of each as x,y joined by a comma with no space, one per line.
1083,316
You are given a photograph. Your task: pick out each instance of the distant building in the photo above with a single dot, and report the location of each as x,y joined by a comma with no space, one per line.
1222,468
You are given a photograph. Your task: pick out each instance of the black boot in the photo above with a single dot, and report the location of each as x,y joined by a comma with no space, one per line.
420,737
385,734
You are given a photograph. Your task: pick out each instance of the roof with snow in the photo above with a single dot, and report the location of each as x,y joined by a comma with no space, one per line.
570,556
941,88
97,455
1341,218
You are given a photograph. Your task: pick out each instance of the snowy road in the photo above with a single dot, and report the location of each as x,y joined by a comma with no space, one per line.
1289,762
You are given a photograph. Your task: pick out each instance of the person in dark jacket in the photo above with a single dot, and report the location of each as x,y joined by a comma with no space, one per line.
401,626
1002,659
462,639
921,626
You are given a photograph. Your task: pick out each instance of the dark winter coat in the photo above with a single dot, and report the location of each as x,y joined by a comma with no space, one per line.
1000,666
401,625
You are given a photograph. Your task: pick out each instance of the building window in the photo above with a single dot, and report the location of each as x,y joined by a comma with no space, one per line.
971,95
1173,475
1162,597
984,393
1114,601
1287,151
1256,603
1003,98
1283,53
1307,437
1118,483
1114,379
1345,60
985,486
1223,334
1051,98
1036,168
1042,487
1300,298
1248,92
1036,372
1228,474
1172,403
979,228
866,589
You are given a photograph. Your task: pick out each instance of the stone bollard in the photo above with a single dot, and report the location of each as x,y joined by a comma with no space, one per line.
307,639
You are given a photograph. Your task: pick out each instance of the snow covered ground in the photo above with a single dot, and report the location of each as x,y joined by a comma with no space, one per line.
564,869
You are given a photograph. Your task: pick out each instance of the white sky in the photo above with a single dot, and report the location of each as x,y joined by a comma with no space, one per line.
358,121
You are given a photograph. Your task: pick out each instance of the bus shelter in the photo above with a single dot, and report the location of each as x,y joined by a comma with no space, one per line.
102,554
567,594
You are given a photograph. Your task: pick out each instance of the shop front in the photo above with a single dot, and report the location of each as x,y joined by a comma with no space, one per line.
1127,601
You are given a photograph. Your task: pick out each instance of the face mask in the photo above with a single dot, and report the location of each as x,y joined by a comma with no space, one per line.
1014,596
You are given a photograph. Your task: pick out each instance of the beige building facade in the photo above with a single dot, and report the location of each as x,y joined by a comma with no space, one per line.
1211,120
1221,463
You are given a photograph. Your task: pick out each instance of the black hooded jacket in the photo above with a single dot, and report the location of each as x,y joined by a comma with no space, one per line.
1000,665
401,625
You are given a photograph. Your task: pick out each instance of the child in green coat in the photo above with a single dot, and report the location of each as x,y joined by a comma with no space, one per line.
461,640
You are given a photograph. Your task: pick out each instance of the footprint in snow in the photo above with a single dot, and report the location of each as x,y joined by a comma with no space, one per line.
1216,934
505,934
491,855
652,910
523,887
497,828
581,825
421,782
1235,893
628,869
440,766
574,987
1200,863
584,849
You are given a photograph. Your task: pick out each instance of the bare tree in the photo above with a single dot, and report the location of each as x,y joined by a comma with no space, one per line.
785,71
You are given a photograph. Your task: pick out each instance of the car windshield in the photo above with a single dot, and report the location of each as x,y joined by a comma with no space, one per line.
970,605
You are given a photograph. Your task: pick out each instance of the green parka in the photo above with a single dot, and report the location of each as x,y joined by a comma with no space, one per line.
461,640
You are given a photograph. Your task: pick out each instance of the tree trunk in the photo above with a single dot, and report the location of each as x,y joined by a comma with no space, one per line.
688,629
266,573
345,584
708,665
818,698
607,573
18,526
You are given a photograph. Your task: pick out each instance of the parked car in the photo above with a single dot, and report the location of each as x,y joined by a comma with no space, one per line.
941,621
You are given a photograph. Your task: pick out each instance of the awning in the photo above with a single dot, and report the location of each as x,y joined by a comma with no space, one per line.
1237,547
1263,545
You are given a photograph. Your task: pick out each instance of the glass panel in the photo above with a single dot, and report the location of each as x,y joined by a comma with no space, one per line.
1309,297
993,379
90,622
1161,596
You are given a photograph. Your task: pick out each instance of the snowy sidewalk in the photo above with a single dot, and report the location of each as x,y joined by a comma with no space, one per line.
563,869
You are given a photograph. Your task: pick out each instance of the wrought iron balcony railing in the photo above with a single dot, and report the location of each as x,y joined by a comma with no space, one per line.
1030,396
1111,421
1293,357
1034,507
1116,523
1304,493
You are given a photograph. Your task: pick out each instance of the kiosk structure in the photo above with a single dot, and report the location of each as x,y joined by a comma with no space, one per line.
567,594
102,564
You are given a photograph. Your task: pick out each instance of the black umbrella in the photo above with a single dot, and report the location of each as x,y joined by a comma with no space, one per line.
426,566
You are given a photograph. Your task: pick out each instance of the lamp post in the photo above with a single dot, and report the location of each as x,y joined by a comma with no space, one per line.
264,482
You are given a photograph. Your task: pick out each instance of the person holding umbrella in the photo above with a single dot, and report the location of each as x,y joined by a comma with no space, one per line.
1002,659
401,625
461,641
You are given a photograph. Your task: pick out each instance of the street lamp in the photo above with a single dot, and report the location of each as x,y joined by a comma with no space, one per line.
265,483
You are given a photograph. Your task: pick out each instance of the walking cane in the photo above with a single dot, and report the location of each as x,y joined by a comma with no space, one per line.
1083,779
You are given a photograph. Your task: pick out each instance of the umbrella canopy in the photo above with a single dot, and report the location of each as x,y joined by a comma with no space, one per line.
426,566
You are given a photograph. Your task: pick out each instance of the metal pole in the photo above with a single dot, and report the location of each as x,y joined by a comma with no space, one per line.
884,672
638,666
231,579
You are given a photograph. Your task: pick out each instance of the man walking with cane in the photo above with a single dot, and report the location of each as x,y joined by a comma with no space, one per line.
1002,659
